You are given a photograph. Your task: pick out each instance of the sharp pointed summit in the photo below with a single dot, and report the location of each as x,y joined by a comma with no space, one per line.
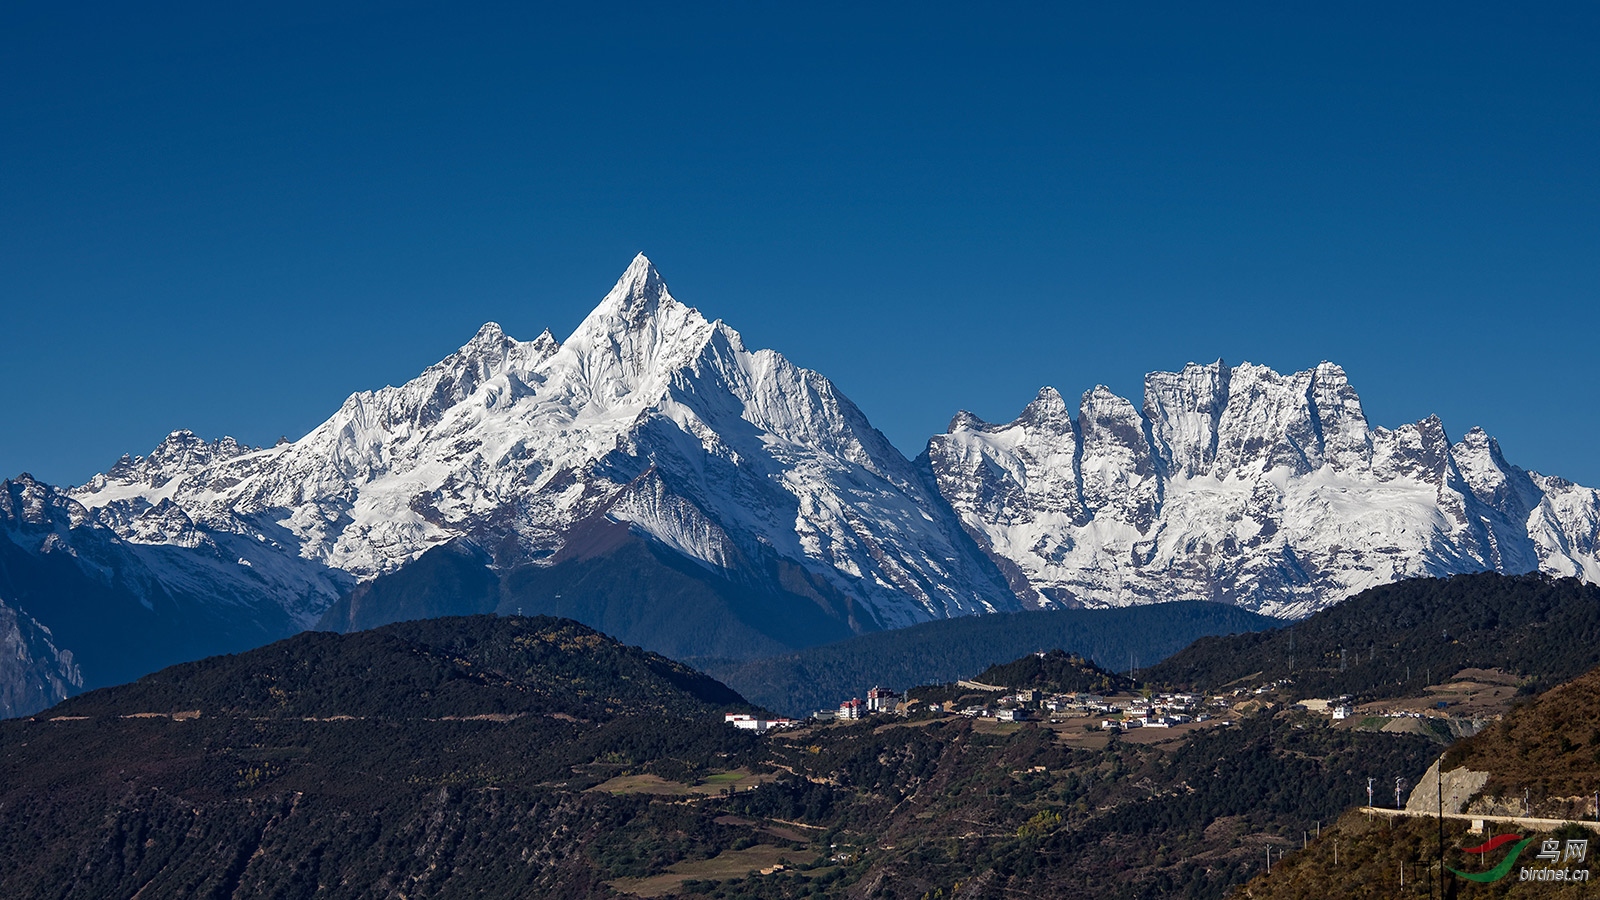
624,351
649,426
490,334
640,292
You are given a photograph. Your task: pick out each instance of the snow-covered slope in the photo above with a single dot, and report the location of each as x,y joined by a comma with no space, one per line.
1242,485
510,444
151,549
88,607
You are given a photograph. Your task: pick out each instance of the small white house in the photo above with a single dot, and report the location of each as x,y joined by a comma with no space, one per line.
751,723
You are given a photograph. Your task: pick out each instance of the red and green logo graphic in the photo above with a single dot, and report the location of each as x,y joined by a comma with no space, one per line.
1504,868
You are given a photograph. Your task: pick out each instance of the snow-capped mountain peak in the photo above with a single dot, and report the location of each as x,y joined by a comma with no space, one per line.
629,344
1244,485
1048,410
640,292
510,444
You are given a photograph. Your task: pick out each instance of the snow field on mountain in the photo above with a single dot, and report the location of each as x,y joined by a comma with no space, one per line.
753,457
1229,483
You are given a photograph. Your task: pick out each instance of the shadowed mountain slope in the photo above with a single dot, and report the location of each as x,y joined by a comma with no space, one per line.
1396,639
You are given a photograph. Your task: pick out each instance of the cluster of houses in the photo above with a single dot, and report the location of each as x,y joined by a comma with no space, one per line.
1156,711
1161,710
879,700
1119,713
1030,704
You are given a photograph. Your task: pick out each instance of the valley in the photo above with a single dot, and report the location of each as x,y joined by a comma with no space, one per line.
460,755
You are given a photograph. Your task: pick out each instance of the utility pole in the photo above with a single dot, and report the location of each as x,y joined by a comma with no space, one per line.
1440,775
1369,790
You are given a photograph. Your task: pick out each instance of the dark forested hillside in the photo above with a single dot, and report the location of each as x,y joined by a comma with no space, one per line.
1542,761
1056,671
485,756
440,758
458,666
943,651
921,810
1398,638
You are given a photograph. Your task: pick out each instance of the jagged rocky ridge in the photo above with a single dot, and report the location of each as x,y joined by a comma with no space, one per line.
104,595
651,434
1235,483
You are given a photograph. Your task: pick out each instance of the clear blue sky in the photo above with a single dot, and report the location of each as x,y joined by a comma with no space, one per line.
228,220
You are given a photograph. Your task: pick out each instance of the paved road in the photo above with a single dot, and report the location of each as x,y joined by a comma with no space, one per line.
1520,821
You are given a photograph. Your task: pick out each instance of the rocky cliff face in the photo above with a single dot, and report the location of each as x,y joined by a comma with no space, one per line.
34,672
1245,486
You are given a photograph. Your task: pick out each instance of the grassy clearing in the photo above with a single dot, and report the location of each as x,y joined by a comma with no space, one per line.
995,726
727,864
737,780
